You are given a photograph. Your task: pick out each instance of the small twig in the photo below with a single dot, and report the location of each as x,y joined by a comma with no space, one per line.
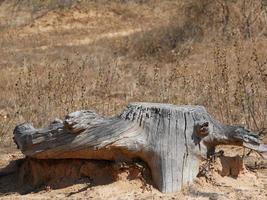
80,190
205,169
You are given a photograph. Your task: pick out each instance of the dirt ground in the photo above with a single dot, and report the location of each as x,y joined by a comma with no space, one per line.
250,184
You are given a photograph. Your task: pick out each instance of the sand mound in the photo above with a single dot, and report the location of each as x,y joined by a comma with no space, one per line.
33,174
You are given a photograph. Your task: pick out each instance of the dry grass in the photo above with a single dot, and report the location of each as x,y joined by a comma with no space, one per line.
212,62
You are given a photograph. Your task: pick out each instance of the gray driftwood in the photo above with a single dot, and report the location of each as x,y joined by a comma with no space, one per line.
170,139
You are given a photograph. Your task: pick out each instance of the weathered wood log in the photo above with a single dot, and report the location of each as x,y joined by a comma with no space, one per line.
170,139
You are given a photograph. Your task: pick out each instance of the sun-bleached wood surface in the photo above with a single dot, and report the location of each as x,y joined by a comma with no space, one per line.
170,139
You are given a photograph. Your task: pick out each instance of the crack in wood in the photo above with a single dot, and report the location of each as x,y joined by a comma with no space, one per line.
185,129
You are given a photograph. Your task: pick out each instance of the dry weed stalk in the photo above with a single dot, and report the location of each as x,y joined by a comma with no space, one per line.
232,84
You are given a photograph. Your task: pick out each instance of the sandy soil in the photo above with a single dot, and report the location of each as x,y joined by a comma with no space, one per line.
248,185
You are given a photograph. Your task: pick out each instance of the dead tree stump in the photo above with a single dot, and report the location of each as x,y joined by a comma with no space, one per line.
170,139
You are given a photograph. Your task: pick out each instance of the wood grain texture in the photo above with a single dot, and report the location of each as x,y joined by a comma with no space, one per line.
170,139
